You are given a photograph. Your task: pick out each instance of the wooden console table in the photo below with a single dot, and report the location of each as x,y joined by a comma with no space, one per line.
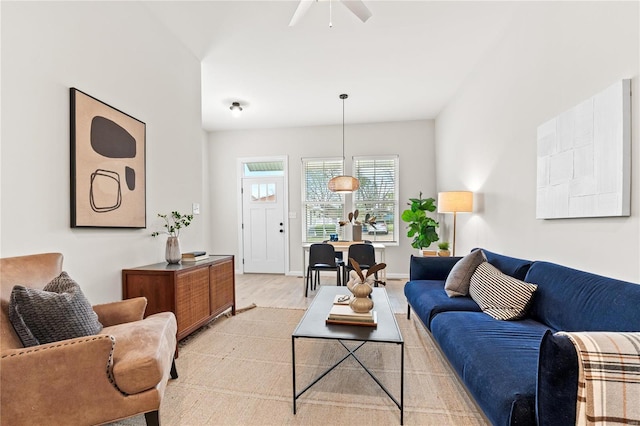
194,292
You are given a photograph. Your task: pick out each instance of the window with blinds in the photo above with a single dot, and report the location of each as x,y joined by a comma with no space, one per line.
378,196
322,208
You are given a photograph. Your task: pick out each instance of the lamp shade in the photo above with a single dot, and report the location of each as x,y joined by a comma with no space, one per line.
455,202
343,184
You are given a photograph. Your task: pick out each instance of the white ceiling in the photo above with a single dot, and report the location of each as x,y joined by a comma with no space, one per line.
404,63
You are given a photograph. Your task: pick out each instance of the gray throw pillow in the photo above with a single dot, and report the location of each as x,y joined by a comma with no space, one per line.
458,280
499,295
60,311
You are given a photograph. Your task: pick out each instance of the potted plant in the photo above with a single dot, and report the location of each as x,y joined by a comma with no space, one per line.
357,225
421,228
173,224
443,249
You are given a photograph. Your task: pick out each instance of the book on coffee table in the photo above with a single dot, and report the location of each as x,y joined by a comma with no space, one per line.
343,314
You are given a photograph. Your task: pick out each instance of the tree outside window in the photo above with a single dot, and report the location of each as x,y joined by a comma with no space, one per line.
378,195
322,208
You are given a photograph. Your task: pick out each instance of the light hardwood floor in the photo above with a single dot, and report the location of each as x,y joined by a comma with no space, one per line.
281,291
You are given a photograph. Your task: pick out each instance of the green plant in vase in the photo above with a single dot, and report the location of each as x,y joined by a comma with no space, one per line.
173,223
357,225
421,227
443,249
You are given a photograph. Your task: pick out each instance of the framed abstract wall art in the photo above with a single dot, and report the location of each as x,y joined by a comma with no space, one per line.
107,165
584,158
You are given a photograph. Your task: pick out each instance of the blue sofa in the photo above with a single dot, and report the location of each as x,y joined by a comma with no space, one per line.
519,372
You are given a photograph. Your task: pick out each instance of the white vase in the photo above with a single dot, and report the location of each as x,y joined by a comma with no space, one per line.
172,253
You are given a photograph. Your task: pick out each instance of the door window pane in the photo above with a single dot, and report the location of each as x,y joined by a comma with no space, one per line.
263,192
263,168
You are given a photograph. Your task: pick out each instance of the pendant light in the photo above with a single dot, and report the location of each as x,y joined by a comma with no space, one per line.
343,184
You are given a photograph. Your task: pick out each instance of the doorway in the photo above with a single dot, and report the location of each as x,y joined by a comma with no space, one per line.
264,227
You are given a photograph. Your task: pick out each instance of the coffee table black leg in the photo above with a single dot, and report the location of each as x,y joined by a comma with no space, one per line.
402,383
321,376
351,353
293,363
400,404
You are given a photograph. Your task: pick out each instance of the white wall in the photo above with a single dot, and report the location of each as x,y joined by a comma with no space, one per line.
554,55
413,141
117,53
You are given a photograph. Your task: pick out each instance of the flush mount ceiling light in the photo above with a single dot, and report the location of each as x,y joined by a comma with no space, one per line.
343,184
236,109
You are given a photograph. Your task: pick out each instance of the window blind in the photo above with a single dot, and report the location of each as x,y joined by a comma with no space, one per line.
322,208
378,195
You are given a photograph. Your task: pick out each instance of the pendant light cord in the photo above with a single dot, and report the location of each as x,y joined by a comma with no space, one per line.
330,13
343,97
343,157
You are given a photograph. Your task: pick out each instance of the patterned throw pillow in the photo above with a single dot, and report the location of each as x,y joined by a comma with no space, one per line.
60,311
458,280
499,295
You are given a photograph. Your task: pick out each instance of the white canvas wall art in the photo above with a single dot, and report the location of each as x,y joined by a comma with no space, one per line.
584,158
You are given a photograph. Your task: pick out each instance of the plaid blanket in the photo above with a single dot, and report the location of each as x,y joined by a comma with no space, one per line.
608,377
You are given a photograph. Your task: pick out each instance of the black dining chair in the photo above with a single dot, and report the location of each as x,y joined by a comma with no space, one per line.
322,257
339,258
364,254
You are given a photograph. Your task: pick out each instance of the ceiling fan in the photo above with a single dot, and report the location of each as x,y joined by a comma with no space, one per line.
357,7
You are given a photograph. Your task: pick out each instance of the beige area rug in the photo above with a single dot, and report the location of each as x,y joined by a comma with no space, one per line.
237,371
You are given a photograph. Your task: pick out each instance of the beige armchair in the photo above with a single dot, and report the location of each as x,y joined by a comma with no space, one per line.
119,373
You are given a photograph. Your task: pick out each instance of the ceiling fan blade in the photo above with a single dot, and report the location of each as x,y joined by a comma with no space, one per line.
358,8
303,6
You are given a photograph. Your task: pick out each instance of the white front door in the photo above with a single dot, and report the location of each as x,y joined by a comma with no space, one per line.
263,225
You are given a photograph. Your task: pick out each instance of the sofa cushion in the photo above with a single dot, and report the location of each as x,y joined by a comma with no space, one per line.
572,300
500,295
458,280
428,298
517,268
59,311
143,351
496,360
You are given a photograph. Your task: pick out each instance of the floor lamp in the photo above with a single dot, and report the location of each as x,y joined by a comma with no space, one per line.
455,202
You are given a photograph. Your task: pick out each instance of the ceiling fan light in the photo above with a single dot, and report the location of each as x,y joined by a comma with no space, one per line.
344,184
